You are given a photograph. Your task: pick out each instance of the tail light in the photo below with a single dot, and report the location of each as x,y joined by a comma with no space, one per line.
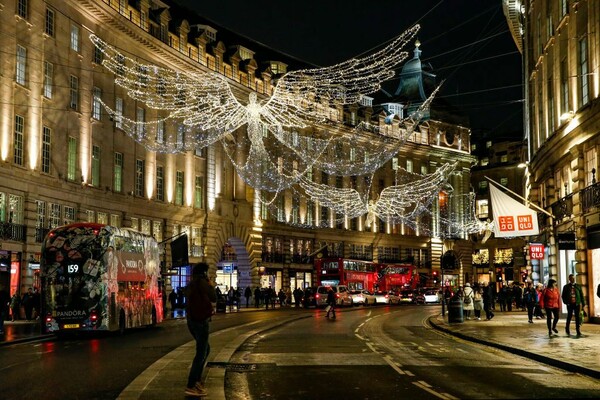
48,318
94,316
337,295
317,296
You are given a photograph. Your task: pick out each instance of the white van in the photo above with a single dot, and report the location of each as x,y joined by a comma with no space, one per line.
341,293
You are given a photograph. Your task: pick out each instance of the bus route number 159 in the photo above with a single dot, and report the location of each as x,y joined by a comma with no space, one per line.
72,268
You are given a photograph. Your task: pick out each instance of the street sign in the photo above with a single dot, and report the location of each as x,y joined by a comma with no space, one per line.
228,269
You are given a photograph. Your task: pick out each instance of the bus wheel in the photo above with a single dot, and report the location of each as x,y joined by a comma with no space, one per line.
122,322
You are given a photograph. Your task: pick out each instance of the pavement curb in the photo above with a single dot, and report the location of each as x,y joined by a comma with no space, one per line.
524,353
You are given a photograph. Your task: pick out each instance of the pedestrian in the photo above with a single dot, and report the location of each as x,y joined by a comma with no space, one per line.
488,299
330,303
530,300
282,297
572,296
4,306
503,296
37,303
477,301
468,304
180,298
247,295
539,314
231,298
550,301
297,296
27,302
173,301
199,309
15,307
267,297
257,297
518,295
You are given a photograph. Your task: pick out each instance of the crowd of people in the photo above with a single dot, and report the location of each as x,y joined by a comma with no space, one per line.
13,307
540,302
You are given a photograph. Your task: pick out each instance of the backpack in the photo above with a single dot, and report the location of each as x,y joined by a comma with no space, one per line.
467,299
477,295
531,296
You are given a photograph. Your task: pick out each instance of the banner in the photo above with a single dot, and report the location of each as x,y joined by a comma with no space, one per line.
511,218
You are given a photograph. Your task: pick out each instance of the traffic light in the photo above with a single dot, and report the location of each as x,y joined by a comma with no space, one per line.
435,275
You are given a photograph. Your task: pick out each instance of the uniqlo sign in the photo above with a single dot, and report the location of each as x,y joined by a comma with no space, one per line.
506,223
536,251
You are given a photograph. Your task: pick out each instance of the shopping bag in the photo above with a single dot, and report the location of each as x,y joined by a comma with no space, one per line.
327,308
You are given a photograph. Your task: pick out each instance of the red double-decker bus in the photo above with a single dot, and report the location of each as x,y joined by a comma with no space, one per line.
356,274
396,277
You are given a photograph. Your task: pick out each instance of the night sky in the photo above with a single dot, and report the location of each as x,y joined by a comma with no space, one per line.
466,41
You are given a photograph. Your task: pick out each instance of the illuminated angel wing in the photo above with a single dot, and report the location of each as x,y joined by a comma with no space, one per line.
202,100
345,201
413,195
308,94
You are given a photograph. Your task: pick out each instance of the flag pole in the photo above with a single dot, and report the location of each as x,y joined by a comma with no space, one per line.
527,202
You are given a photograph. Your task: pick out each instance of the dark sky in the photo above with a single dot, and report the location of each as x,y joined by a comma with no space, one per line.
466,41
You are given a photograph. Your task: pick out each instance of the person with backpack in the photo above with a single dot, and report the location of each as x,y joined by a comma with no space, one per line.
477,301
530,300
468,305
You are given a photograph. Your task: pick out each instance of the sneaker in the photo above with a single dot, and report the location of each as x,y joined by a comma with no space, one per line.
568,332
530,321
200,386
195,392
555,330
478,318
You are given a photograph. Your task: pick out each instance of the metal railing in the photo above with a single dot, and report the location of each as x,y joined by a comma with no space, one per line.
10,231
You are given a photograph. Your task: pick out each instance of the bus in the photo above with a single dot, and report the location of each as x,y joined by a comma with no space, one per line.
96,277
356,274
396,277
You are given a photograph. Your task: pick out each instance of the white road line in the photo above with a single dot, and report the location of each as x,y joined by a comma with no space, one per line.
426,387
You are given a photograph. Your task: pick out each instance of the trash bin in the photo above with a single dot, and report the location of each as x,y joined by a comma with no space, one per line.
455,310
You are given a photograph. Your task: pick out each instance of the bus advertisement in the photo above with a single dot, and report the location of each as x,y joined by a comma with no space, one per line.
356,274
96,277
396,277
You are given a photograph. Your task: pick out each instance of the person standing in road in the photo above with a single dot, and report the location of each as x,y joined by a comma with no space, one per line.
550,301
468,305
199,308
572,296
530,300
257,296
330,303
488,300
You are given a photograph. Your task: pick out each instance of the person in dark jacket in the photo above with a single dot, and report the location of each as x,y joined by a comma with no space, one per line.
572,297
199,308
488,300
247,295
530,299
28,303
331,300
4,306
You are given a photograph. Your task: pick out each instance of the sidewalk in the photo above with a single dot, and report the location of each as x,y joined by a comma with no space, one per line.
512,332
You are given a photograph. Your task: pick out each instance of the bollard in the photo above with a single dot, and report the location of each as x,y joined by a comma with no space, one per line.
455,310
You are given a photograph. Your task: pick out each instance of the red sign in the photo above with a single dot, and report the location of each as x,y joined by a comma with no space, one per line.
506,223
536,251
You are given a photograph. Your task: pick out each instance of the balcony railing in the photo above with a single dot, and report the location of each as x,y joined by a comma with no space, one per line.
590,198
563,208
10,231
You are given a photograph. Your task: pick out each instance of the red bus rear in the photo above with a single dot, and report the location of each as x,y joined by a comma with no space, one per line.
396,277
356,274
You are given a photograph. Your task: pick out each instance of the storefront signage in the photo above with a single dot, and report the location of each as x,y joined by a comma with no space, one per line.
536,251
566,241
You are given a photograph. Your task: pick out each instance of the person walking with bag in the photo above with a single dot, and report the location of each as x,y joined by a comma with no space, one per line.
199,309
468,305
330,303
550,301
572,296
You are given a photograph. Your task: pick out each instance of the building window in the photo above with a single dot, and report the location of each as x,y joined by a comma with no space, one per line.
46,149
49,26
488,144
22,8
483,185
118,173
504,181
143,20
118,113
75,38
90,216
18,140
120,65
160,183
146,226
48,79
409,165
140,119
591,163
21,65
179,188
96,166
115,220
424,170
564,86
582,73
504,158
15,209
564,8
485,161
68,215
139,178
550,87
157,230
160,131
199,192
73,92
96,104
40,214
71,158
102,218
55,216
98,54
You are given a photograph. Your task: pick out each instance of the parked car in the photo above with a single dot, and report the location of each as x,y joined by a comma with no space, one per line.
362,297
432,296
308,298
342,295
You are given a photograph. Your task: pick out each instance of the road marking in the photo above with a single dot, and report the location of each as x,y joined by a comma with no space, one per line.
427,387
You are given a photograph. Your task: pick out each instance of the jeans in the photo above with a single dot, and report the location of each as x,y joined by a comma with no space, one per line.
199,331
573,309
551,312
